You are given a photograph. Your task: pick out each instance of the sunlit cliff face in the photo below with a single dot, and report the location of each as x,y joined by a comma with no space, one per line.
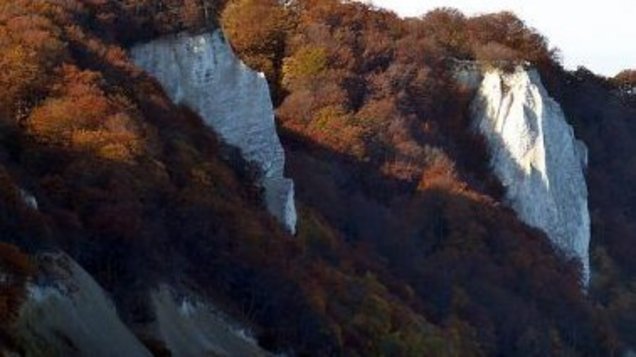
535,155
202,72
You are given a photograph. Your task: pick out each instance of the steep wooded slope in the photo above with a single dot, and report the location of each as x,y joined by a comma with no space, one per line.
604,116
139,192
402,245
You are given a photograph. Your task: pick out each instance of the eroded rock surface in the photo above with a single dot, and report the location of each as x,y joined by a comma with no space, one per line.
535,155
189,326
68,314
202,72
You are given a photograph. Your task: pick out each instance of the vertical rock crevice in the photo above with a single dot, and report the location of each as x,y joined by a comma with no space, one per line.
203,73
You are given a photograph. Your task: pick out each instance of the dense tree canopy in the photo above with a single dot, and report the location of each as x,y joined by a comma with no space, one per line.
403,247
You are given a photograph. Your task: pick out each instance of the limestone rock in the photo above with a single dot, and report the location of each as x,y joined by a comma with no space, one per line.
29,199
535,155
202,72
67,313
190,326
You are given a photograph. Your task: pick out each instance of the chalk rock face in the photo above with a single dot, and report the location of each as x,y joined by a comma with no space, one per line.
29,199
190,326
202,72
69,314
536,157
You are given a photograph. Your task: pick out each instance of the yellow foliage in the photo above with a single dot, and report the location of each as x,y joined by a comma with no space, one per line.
256,29
115,152
337,129
306,63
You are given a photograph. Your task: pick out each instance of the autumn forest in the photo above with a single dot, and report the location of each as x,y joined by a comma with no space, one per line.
404,245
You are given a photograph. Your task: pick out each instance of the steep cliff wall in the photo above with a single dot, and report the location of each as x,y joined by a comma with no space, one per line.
535,155
190,326
68,314
203,73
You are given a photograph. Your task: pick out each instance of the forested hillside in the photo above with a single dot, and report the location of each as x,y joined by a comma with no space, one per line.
404,246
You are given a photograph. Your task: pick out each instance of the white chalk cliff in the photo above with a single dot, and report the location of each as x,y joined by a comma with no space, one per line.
202,72
29,199
535,155
69,314
190,326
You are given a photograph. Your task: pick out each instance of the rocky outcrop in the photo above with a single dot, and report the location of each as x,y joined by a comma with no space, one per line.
189,326
534,154
67,313
202,72
29,199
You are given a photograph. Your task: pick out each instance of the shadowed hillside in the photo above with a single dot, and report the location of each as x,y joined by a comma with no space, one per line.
404,246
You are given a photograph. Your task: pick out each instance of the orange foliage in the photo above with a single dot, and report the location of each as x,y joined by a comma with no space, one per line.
394,229
31,49
331,120
440,174
81,116
257,28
